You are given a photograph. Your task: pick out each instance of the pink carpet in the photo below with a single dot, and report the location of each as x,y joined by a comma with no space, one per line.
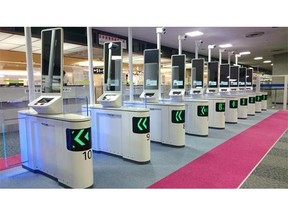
227,165
11,162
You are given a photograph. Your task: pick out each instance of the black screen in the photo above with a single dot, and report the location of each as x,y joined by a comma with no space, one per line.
178,116
212,74
242,76
51,60
115,65
224,75
151,69
249,77
141,125
197,72
178,71
220,107
234,74
78,139
202,110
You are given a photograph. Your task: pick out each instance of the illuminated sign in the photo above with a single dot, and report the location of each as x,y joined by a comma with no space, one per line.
264,97
202,111
178,116
243,101
141,125
233,104
258,98
78,139
220,107
251,100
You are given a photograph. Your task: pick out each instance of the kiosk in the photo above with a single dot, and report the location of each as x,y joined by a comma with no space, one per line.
118,130
264,101
52,143
167,120
249,92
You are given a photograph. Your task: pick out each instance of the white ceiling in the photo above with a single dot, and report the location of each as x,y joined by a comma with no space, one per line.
274,41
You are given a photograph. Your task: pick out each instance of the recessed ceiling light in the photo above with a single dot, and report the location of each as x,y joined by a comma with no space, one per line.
267,61
245,53
271,64
258,58
225,45
194,33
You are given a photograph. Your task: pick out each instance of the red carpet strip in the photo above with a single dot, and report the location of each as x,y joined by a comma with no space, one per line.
227,165
11,162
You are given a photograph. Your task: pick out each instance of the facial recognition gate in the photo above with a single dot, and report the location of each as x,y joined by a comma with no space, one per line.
167,122
216,113
123,131
196,117
58,146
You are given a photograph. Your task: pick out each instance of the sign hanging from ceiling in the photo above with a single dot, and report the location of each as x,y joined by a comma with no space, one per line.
106,38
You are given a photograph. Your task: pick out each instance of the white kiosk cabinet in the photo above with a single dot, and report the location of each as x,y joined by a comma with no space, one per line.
216,113
251,104
58,146
264,101
121,131
231,109
258,102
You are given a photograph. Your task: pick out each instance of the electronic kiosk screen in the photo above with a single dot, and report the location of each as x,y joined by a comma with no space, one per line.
43,101
151,69
249,77
234,73
112,66
212,74
242,77
224,75
178,71
197,73
51,60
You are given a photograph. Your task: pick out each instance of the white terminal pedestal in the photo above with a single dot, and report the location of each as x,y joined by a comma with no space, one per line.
231,109
242,104
216,113
167,122
122,131
264,101
57,145
196,116
251,103
258,102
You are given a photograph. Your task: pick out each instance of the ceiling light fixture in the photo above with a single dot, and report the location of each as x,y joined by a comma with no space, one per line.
258,58
194,33
225,45
245,53
267,61
271,64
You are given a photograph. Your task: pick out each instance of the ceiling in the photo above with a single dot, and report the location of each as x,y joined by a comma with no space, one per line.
273,41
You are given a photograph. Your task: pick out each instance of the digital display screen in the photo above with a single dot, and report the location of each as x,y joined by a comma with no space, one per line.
78,139
197,73
176,92
149,94
178,71
212,74
112,65
51,60
141,125
242,76
258,98
224,75
249,77
243,102
151,69
109,97
202,111
264,97
233,104
220,107
43,101
251,100
234,76
178,116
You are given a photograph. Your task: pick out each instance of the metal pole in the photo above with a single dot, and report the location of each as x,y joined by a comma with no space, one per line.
29,60
179,45
131,85
285,92
159,48
196,49
90,61
236,59
209,55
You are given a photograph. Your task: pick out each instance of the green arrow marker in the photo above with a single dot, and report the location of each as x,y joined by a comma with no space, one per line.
203,110
220,106
180,115
77,138
138,125
87,136
144,123
177,116
233,104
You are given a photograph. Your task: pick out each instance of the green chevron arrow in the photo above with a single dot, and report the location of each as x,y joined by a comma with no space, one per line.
179,116
138,125
144,123
87,136
203,110
77,137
